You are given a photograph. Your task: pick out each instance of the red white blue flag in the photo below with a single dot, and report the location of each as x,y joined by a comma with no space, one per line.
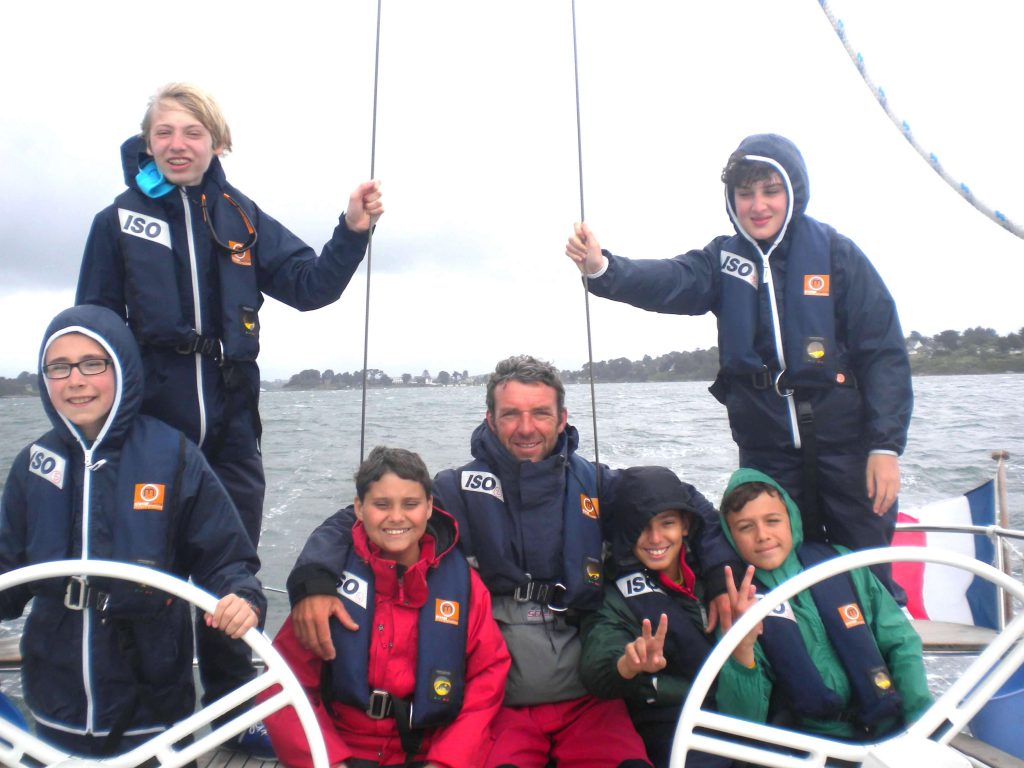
939,592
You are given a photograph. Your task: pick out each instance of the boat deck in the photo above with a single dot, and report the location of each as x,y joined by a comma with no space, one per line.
10,651
985,754
944,637
223,758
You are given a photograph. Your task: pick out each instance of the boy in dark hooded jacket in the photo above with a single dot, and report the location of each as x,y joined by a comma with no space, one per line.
107,664
186,259
813,370
648,640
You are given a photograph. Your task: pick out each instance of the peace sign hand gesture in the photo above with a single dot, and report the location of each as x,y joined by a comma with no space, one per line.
646,653
742,600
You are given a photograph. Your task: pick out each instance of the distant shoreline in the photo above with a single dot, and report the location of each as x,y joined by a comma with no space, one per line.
976,351
280,385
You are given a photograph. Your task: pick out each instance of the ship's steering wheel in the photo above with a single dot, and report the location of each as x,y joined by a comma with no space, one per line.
22,749
924,742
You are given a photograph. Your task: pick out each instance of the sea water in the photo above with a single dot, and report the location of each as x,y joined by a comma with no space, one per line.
312,443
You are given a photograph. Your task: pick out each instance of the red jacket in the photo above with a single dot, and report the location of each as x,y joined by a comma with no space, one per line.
347,731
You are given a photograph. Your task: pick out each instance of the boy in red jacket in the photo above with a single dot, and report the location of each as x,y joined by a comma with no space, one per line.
424,674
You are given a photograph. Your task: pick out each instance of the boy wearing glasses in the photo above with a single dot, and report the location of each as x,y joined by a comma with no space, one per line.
186,258
107,664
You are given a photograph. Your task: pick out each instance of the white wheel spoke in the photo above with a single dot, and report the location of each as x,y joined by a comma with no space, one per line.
162,745
702,730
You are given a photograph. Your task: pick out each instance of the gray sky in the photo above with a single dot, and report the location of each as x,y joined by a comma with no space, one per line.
476,148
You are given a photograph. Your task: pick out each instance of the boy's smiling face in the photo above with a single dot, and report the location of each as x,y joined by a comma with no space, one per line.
181,145
83,400
394,512
659,543
762,532
761,207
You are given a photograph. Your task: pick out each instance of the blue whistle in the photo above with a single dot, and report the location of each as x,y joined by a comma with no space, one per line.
151,181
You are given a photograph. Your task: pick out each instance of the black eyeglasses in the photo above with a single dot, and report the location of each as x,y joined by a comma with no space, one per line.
230,246
91,367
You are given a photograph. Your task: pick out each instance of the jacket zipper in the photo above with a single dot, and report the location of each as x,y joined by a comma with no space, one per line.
197,318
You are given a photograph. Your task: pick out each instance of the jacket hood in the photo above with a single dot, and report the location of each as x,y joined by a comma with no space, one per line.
642,493
484,445
110,332
791,566
134,156
444,529
783,153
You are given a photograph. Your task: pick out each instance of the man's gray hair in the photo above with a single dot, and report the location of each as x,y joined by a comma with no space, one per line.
526,370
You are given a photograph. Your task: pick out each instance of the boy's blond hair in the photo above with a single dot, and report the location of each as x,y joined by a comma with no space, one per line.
197,103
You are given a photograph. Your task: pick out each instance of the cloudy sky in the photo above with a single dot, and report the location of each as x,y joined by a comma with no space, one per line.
476,148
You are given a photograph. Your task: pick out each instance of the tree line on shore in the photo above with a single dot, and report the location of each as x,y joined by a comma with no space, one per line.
975,350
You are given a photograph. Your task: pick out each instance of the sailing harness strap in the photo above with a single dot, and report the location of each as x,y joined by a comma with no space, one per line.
383,705
809,511
239,393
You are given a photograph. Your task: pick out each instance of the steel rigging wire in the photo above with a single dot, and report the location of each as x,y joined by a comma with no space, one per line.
369,242
585,279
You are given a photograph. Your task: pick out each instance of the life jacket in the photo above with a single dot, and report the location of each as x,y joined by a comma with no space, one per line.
875,697
497,547
812,356
157,257
686,645
441,648
140,523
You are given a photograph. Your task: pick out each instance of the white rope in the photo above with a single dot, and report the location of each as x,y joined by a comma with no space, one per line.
961,188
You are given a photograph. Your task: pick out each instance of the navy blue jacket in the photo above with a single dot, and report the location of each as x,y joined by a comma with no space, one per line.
872,412
205,299
323,556
68,498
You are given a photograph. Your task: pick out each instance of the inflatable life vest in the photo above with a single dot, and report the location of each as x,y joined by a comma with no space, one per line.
441,648
495,539
875,697
155,254
813,358
686,645
138,526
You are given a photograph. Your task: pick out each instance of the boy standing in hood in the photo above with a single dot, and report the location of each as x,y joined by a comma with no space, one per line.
185,259
813,370
840,658
648,640
108,664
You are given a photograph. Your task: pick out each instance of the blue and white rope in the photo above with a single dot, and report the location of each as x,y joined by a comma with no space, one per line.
961,188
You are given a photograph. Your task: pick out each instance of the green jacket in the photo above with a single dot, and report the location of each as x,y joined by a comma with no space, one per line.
746,692
605,634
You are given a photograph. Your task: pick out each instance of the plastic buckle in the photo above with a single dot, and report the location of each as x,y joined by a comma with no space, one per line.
189,347
379,706
761,380
71,600
209,346
524,593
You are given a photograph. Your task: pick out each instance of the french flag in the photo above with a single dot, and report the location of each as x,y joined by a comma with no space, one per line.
939,592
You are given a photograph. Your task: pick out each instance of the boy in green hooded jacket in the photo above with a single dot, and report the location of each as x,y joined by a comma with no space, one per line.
840,659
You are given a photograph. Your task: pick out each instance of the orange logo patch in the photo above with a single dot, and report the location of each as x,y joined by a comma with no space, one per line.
149,496
851,615
816,285
590,507
243,259
446,611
